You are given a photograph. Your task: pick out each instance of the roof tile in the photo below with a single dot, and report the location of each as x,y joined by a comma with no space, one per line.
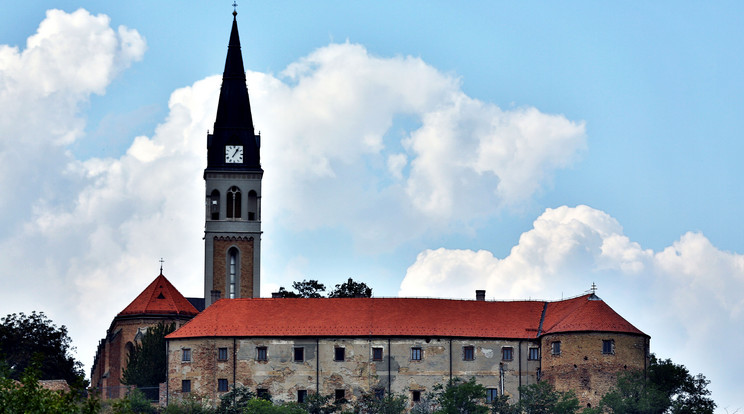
160,298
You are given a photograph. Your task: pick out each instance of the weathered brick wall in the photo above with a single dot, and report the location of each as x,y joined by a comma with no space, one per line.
219,267
584,368
358,373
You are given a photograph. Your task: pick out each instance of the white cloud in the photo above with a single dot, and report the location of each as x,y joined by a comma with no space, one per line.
684,296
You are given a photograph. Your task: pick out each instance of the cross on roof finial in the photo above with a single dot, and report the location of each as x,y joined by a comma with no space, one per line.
161,265
594,288
235,8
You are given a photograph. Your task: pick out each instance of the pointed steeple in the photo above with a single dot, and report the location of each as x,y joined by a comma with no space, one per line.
234,122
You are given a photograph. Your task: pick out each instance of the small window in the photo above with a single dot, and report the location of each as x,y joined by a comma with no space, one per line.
377,354
185,386
222,354
507,353
233,203
415,395
340,395
534,354
299,354
492,394
416,353
301,396
186,355
468,353
262,353
608,346
263,393
222,385
555,348
339,354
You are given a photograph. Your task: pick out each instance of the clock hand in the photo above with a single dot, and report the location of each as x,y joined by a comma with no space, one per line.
236,151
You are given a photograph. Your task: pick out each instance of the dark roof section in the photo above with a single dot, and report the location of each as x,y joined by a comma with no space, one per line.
234,122
198,303
159,298
355,317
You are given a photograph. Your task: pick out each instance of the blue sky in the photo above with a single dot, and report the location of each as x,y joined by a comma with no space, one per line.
426,148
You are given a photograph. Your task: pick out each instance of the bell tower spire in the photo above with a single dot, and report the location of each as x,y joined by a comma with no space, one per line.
232,235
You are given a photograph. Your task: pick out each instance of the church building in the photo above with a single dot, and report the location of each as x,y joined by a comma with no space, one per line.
289,348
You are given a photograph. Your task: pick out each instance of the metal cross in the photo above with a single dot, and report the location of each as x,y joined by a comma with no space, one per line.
594,288
235,6
161,265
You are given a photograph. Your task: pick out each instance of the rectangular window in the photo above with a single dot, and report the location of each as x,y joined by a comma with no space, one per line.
263,393
339,354
415,395
416,353
555,348
299,354
534,354
468,353
301,396
262,354
222,385
186,355
222,354
186,386
340,395
377,354
507,353
608,346
492,394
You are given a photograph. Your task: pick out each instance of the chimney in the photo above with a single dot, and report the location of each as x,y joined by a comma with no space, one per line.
276,295
480,295
216,295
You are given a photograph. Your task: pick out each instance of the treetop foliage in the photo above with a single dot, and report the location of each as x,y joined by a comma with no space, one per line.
28,338
146,362
314,289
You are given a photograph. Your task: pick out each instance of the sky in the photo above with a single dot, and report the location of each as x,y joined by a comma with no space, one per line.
428,149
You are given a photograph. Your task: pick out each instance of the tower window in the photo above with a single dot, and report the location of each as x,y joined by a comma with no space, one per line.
608,346
299,354
262,353
339,354
252,206
534,354
233,203
222,354
377,354
214,205
555,348
232,274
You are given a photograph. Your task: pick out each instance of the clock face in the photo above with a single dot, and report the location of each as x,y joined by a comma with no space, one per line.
233,154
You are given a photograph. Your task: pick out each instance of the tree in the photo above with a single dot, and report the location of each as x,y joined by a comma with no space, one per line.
27,396
369,403
234,401
351,289
542,398
25,338
461,397
664,388
305,289
146,362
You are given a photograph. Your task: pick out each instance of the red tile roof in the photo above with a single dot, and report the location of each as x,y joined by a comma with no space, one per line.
382,317
160,298
585,313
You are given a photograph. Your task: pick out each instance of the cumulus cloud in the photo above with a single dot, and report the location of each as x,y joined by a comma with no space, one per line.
682,296
80,229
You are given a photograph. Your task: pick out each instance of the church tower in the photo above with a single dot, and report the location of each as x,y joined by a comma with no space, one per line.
232,235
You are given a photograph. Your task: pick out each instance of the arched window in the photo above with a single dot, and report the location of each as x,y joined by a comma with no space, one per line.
252,206
233,203
214,205
232,276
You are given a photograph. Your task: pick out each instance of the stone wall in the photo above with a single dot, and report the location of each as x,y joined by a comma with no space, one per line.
584,367
359,372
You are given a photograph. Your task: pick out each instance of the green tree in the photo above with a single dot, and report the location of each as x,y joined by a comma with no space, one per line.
27,396
460,397
665,387
320,404
542,398
351,289
501,405
146,362
305,289
235,400
134,403
369,403
24,338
